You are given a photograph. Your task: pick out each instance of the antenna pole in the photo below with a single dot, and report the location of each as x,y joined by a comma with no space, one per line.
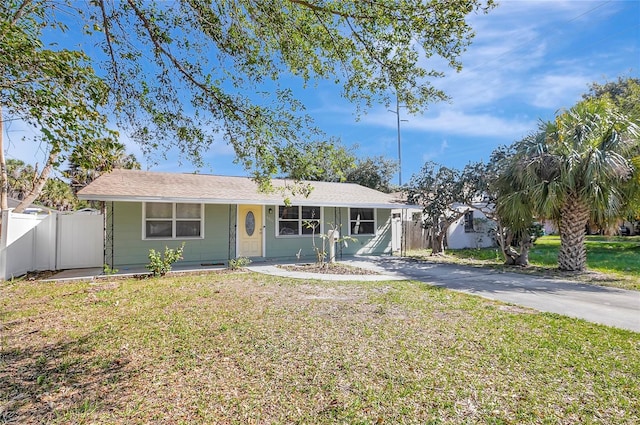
399,144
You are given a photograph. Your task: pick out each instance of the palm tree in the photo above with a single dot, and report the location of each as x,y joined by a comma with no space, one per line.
20,178
88,162
576,169
57,194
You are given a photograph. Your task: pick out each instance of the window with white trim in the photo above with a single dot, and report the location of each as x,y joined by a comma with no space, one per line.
298,220
169,220
362,221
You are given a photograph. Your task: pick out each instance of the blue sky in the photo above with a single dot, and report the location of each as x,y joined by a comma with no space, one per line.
528,60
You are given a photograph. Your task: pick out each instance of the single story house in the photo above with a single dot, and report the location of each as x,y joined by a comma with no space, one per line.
221,218
472,230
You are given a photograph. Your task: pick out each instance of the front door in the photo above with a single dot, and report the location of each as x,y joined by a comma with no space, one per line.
249,231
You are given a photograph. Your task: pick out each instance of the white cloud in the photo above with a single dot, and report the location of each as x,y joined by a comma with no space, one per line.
436,153
475,125
519,68
555,91
520,53
456,122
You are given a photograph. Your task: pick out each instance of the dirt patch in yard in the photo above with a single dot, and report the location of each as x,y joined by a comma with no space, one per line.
328,268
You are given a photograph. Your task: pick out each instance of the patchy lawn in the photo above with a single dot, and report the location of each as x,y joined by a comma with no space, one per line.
247,348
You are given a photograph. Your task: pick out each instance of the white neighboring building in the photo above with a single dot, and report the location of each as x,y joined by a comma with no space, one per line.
472,230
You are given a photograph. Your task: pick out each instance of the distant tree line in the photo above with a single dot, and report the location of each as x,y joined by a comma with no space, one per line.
332,162
85,164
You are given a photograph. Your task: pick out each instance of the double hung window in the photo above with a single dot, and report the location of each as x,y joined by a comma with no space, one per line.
298,220
168,220
362,221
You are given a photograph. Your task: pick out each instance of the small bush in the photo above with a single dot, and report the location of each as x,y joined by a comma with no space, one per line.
106,269
160,264
238,263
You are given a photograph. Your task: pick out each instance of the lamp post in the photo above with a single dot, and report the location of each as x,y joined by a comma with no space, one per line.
397,112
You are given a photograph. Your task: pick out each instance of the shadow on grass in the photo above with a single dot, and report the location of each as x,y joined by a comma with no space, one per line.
62,382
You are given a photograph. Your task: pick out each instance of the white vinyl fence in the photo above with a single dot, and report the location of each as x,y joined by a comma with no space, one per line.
31,242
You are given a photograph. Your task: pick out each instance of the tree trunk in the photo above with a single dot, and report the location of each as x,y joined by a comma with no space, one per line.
441,233
437,245
429,238
4,178
515,258
39,183
500,238
523,259
574,217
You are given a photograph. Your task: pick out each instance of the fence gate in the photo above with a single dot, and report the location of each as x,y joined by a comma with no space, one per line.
80,241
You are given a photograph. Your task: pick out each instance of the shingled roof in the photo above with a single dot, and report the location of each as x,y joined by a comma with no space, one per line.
134,185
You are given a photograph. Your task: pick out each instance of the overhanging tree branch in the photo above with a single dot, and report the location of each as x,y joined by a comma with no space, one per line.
106,26
178,65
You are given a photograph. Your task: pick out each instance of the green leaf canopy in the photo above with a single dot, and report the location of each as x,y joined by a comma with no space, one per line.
191,73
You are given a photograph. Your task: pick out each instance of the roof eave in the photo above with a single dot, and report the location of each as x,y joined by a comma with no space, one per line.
218,201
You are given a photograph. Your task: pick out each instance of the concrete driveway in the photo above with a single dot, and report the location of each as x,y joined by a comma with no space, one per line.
608,306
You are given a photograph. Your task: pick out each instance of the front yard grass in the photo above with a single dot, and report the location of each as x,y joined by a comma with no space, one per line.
611,260
247,348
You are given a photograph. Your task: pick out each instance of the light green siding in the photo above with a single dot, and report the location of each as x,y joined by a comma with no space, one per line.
129,247
219,244
286,246
290,246
369,245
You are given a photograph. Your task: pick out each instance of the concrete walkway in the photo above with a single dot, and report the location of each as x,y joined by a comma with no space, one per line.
95,273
